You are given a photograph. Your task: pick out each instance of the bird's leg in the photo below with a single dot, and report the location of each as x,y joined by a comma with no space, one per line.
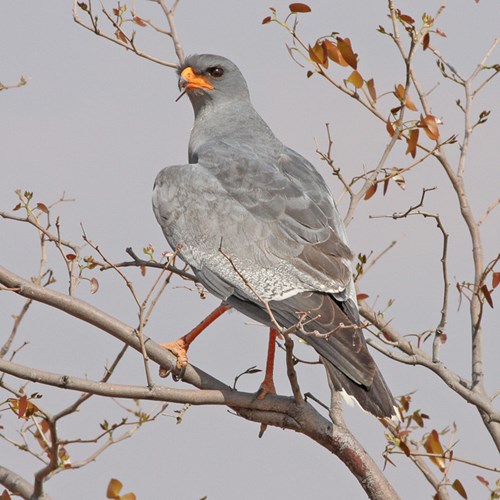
267,385
180,346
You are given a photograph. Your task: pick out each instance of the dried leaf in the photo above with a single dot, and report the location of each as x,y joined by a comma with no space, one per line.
83,6
137,20
389,126
430,125
70,256
309,74
482,480
128,496
386,186
399,92
371,191
114,488
42,207
120,35
356,79
433,445
406,18
318,54
5,495
299,7
143,270
94,285
397,177
426,40
458,487
22,406
362,296
495,280
410,104
404,448
412,142
441,33
487,295
334,53
370,85
17,207
344,45
266,20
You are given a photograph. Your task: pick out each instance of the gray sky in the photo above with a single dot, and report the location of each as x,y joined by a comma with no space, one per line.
98,123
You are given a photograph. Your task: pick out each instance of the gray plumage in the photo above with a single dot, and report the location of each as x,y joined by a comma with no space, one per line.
248,202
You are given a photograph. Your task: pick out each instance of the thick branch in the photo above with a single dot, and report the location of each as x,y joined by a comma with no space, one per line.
17,485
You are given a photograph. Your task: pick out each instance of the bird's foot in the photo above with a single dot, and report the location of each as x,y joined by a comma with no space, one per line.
179,349
267,387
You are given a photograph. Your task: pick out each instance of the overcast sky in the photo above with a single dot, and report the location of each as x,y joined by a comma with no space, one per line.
98,123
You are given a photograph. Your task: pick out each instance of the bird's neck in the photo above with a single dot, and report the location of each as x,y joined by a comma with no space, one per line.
233,125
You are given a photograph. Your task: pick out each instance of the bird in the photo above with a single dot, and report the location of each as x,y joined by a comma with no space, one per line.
259,228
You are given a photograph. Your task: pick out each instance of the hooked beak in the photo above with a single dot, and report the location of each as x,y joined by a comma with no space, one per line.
190,80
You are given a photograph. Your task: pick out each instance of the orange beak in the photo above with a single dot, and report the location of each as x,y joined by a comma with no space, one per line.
190,80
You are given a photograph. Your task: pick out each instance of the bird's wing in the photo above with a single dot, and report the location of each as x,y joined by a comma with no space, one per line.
263,215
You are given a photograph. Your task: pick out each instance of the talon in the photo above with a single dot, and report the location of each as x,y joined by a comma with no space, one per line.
267,387
179,349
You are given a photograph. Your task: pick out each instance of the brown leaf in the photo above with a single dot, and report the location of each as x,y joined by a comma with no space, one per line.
482,480
42,207
120,35
70,256
458,487
83,6
370,85
5,495
441,33
426,40
344,45
412,142
137,20
433,445
430,126
143,270
114,488
22,406
94,285
362,296
495,280
386,186
299,7
406,18
410,104
487,295
17,207
371,191
399,92
266,20
333,53
356,79
389,127
404,448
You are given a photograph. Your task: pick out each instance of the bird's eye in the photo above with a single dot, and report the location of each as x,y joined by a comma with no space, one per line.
216,71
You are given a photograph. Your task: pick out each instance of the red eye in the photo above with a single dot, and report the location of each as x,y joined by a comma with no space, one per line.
216,71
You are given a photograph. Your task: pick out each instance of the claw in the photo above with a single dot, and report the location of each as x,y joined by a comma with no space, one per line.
267,387
179,349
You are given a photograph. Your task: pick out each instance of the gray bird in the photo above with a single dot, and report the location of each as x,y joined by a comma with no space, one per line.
257,225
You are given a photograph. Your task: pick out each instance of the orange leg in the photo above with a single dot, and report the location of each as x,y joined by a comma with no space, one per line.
180,346
267,385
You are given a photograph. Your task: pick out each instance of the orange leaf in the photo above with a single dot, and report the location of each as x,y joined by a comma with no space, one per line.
487,295
362,296
128,496
266,20
399,92
495,280
299,7
410,104
412,142
318,54
114,488
70,256
370,85
356,79
334,54
5,495
344,45
458,487
371,191
433,445
430,126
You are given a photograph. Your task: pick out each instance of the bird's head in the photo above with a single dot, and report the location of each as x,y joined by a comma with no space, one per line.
210,78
